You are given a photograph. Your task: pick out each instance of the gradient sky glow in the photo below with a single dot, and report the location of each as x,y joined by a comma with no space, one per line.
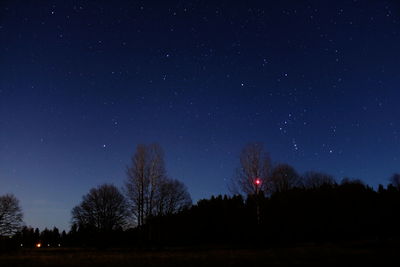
83,82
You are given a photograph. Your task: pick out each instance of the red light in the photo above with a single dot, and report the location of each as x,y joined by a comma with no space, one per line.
258,181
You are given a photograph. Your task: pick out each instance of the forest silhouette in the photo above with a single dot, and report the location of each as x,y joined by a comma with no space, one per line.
309,208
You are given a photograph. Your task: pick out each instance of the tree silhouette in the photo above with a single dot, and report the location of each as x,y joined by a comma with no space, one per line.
395,180
103,209
255,164
171,197
319,211
149,191
314,180
144,178
283,178
10,215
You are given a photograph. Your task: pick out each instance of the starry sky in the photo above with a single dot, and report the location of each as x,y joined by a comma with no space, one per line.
83,82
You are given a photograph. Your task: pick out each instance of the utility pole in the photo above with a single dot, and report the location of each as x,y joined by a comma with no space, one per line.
257,183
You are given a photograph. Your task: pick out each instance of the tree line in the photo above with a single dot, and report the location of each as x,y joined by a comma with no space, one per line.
148,191
270,204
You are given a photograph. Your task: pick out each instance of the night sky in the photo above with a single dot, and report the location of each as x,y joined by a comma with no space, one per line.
83,82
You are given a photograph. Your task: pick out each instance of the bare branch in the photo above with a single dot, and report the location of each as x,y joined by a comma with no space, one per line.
103,208
10,215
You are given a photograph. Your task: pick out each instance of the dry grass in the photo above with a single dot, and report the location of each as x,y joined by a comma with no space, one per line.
311,254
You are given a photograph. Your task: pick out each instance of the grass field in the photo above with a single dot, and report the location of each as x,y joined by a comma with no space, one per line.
306,254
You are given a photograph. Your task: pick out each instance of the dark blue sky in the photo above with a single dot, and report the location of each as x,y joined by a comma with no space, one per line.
83,82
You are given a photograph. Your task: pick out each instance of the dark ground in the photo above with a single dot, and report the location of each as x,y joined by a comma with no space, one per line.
335,254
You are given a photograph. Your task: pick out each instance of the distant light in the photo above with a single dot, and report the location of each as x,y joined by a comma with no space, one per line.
59,245
257,181
38,245
21,245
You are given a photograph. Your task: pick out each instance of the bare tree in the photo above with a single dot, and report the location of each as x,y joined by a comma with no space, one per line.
395,180
156,173
10,215
283,178
317,179
352,181
137,183
172,197
144,176
103,208
253,172
148,189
